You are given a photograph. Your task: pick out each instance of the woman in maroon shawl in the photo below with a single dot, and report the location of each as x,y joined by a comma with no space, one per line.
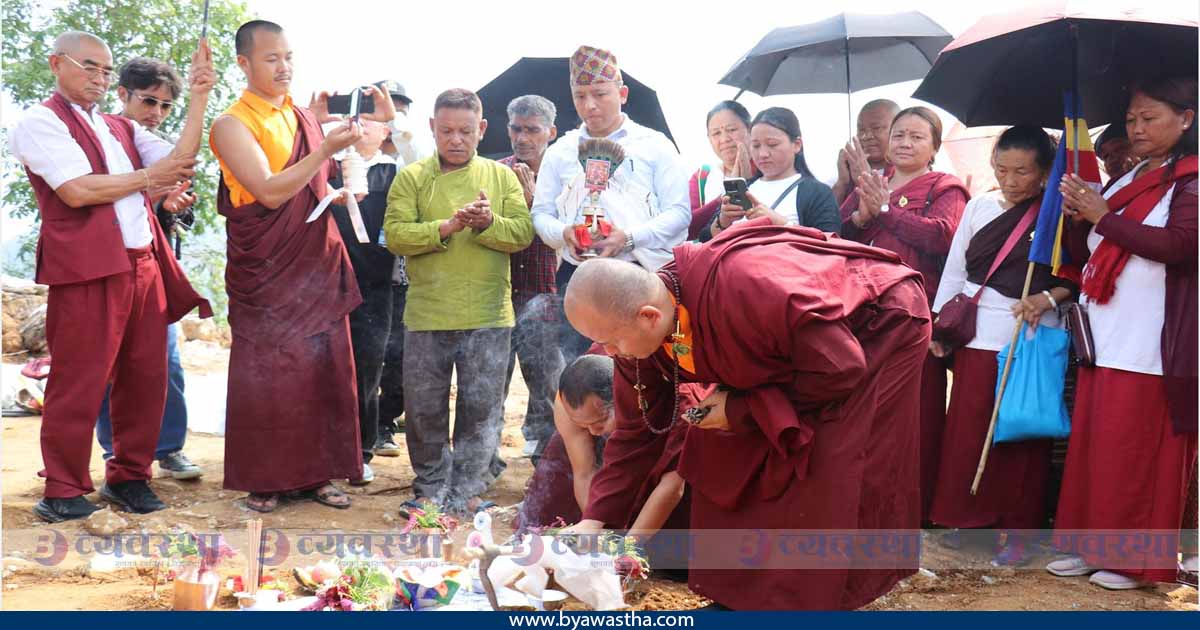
1012,493
913,213
1133,435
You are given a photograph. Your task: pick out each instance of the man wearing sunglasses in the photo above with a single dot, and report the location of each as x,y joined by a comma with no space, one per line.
148,90
114,285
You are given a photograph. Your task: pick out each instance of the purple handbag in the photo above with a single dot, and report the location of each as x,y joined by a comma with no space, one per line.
955,323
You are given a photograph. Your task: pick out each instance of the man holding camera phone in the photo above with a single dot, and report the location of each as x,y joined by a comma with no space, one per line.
292,409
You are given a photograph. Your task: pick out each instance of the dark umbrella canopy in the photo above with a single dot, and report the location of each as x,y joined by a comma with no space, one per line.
845,53
550,77
1014,67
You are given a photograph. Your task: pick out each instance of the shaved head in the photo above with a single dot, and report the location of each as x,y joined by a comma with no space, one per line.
72,42
613,286
620,305
882,104
874,127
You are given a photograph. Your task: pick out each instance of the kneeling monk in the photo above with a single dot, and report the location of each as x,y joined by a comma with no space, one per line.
583,421
818,343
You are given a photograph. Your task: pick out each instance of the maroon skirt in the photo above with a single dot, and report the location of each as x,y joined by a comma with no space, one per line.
1012,492
1126,471
933,422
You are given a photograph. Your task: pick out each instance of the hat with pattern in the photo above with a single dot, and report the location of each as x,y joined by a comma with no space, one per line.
593,65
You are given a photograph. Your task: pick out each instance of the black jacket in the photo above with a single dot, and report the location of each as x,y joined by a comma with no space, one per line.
372,261
815,207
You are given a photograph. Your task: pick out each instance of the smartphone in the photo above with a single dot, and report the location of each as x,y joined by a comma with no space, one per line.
344,103
735,189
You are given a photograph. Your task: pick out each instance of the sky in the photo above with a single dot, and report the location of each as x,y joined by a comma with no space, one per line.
679,49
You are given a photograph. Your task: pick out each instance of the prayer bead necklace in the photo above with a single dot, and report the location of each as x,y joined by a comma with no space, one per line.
677,338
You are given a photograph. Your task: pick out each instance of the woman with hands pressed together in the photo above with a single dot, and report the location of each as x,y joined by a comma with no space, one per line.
729,135
1133,434
914,213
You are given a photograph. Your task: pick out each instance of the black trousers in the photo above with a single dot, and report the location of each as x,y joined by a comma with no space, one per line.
370,329
391,397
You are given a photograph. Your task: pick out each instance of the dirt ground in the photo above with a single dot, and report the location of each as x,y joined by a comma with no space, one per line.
967,583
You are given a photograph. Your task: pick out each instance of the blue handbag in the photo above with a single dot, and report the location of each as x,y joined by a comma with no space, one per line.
1033,406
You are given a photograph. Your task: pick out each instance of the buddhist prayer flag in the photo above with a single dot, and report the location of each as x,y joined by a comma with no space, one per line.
1047,247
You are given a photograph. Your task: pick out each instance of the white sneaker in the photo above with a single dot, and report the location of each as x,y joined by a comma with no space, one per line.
1190,563
1115,581
1071,566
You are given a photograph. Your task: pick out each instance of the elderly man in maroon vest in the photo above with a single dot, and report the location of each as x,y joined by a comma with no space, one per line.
114,284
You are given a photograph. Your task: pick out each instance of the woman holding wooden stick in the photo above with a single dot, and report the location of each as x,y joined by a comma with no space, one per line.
1133,435
989,257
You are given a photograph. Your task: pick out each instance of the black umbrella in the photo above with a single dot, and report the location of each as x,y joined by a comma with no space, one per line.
843,54
1014,67
550,77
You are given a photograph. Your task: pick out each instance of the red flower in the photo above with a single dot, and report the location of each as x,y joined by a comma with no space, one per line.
628,566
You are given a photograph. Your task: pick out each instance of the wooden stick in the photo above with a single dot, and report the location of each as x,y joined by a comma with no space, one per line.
1012,350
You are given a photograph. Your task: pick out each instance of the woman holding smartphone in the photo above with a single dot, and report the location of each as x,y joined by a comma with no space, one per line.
786,183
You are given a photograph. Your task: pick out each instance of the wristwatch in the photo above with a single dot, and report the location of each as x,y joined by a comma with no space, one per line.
629,242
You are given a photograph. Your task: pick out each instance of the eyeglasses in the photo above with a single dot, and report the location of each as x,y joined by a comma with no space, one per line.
92,70
150,101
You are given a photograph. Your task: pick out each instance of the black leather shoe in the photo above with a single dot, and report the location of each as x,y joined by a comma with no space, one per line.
59,510
133,496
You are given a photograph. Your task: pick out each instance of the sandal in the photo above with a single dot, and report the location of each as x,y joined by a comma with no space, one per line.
330,495
262,501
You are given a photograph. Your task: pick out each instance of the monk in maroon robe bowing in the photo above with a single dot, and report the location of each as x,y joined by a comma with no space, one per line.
913,211
817,343
292,410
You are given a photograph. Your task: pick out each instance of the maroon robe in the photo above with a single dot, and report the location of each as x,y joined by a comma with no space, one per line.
921,234
821,340
292,408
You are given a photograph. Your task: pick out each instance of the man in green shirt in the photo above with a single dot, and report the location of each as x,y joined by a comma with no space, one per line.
456,217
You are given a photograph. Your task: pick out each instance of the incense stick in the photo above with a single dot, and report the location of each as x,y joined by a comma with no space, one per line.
253,555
